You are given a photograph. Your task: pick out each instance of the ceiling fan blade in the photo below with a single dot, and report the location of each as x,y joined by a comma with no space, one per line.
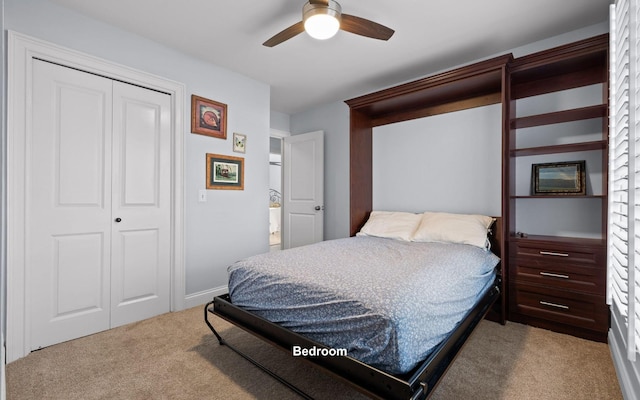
286,34
364,27
321,2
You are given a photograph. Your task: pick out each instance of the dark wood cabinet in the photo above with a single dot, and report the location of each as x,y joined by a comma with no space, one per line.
557,259
559,283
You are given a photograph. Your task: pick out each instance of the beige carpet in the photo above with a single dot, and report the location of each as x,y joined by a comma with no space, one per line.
174,356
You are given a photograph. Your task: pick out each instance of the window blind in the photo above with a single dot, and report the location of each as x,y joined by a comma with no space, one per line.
623,255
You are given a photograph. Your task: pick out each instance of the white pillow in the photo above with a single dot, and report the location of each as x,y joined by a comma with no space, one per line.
391,224
453,228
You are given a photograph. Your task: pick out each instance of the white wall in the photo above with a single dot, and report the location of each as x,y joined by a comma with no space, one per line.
232,224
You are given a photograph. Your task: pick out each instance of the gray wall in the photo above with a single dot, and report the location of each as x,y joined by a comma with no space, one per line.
280,121
449,163
333,119
231,224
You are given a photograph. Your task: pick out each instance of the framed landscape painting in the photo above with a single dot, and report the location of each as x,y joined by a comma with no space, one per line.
225,172
560,178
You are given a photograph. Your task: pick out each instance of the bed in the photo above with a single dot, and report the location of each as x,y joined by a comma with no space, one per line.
401,323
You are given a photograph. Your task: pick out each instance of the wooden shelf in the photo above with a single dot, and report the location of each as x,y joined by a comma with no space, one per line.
560,148
561,196
475,85
560,240
577,114
566,67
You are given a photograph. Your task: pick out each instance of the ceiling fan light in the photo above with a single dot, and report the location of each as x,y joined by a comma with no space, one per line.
321,21
321,26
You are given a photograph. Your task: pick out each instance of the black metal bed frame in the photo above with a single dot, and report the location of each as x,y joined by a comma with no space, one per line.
417,384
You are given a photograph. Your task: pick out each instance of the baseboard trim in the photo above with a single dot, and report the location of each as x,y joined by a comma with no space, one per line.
627,373
201,298
3,359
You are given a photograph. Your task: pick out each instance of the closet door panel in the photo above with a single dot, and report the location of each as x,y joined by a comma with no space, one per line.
68,207
141,200
80,141
138,279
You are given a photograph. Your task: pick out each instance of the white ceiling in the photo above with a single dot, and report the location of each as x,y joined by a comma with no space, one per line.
303,72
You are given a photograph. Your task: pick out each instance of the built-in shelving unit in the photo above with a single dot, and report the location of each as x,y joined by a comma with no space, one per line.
556,263
555,108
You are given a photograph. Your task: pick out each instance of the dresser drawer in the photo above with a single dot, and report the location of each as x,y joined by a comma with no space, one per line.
586,278
560,264
558,253
571,308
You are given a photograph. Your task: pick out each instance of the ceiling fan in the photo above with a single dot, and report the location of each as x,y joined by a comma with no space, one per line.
323,18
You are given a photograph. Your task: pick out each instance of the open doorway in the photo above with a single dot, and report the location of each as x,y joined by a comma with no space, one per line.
275,193
296,192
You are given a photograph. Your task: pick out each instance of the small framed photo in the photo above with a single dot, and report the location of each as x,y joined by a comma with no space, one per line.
239,142
208,117
225,172
560,178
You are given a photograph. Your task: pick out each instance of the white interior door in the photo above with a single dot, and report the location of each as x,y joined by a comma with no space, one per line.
69,204
141,252
99,151
303,189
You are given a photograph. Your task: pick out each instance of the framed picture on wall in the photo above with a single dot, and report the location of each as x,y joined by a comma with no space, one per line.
208,117
559,178
239,142
225,172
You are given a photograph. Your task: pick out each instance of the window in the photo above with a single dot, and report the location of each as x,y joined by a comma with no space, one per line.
623,257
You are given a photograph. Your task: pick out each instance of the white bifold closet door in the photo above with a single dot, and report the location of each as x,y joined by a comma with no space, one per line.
98,212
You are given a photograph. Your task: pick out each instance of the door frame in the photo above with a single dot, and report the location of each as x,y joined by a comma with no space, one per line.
22,50
278,134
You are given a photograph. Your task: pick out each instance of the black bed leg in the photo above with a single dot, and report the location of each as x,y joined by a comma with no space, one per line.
206,319
251,360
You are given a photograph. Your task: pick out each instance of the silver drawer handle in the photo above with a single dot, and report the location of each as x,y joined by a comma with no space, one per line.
546,303
554,275
553,253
